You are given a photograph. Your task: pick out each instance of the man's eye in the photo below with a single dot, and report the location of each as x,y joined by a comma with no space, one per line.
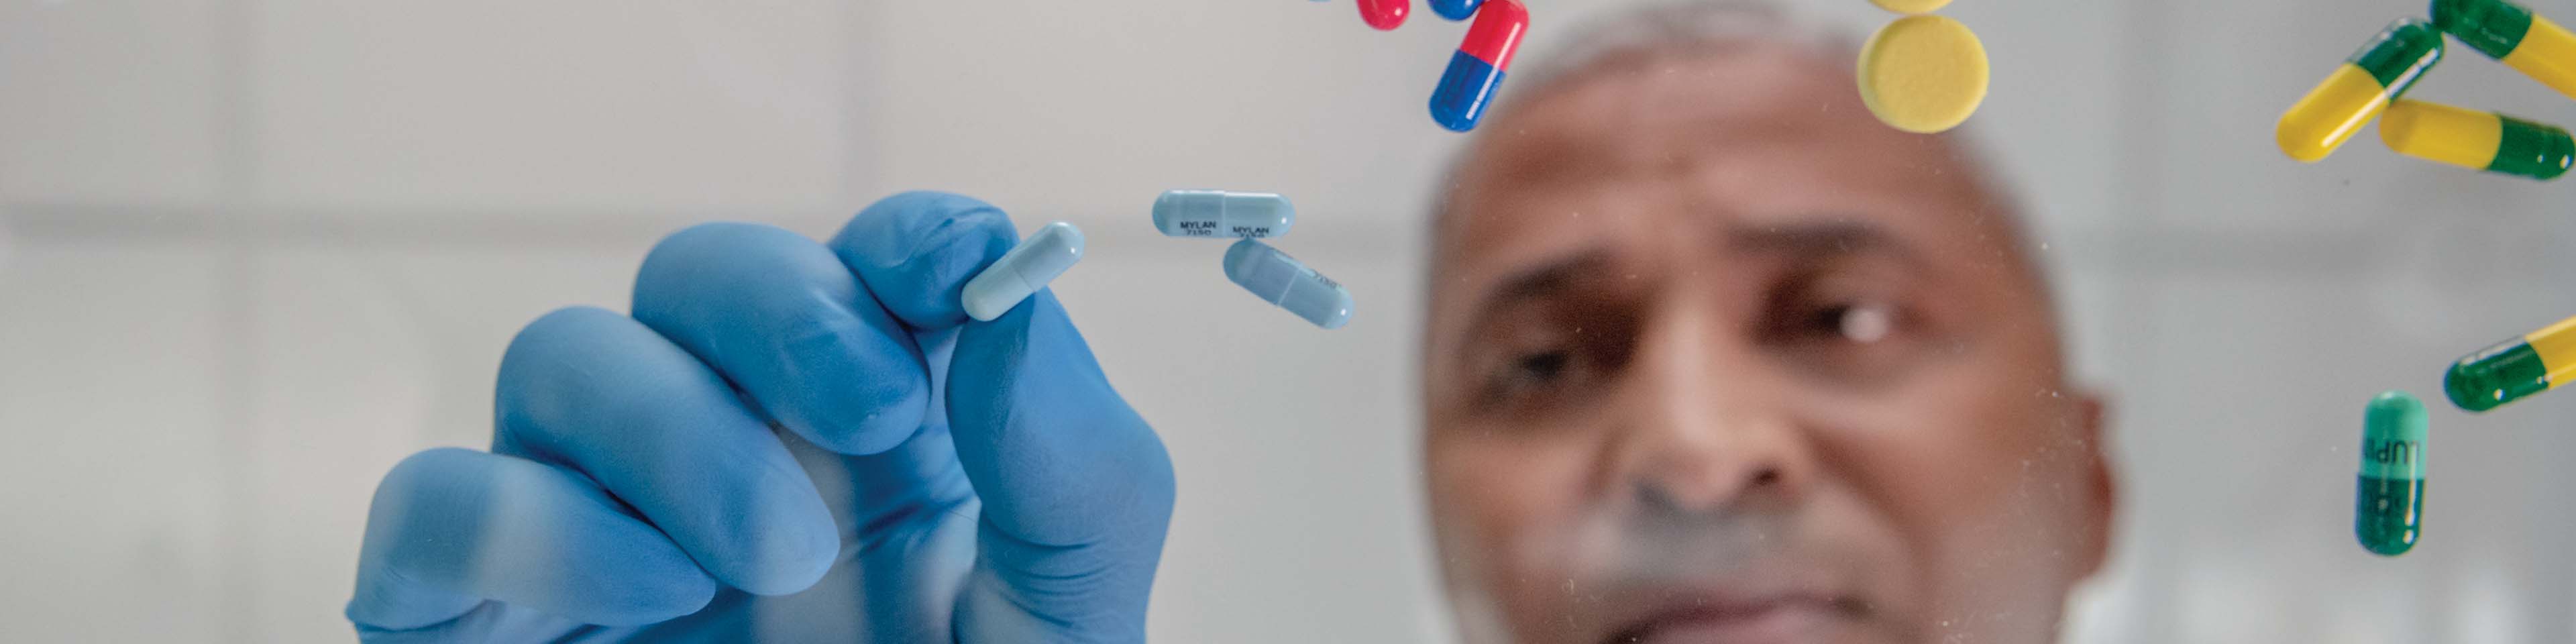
1535,378
1860,323
1538,369
1856,341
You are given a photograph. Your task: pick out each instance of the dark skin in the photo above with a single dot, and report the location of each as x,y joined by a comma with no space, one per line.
1714,356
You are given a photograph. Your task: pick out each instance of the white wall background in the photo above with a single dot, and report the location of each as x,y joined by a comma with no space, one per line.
254,251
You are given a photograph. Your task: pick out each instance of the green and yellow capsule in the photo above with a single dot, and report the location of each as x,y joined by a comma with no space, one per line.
2388,507
2476,140
2514,368
2523,40
2357,91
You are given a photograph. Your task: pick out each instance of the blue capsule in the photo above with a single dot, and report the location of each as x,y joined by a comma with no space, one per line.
1456,9
1022,271
1281,280
1477,69
1217,213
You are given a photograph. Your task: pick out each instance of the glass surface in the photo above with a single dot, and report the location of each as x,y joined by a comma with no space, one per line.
312,310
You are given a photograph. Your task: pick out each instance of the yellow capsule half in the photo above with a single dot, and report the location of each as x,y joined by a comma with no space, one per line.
2358,90
2475,139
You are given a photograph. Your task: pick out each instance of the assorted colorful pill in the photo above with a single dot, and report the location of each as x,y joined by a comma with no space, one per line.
1022,271
1282,280
2388,500
1384,15
2358,90
2515,368
1476,70
1217,213
1911,7
1264,271
1923,74
1456,9
2476,140
2507,32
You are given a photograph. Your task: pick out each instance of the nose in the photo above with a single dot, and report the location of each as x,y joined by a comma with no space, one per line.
1705,427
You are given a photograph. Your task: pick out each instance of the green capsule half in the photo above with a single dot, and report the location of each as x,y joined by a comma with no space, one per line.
2526,41
2500,374
2388,506
2514,368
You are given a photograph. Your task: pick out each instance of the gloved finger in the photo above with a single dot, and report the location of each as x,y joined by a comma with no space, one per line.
601,394
451,528
916,251
782,318
1077,490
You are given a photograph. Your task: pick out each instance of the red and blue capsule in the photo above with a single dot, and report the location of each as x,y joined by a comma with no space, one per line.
1477,69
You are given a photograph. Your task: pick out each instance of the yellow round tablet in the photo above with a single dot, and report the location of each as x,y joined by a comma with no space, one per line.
1910,6
1923,74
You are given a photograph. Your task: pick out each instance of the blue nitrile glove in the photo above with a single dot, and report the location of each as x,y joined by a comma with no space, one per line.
788,441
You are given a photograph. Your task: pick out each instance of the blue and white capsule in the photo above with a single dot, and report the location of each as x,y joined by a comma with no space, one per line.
1477,69
1282,280
1021,272
1217,213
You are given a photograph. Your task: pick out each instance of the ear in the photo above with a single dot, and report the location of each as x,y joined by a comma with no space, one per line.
2102,496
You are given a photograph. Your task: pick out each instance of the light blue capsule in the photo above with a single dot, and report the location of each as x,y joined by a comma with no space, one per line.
1282,280
1021,272
1217,213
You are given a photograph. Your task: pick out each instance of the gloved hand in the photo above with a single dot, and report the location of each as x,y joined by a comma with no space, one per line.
788,441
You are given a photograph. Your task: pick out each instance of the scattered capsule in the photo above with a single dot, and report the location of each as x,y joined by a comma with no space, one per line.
2514,368
1022,271
1477,69
1385,15
2388,505
2476,140
2380,72
1456,9
1217,213
2523,40
1283,281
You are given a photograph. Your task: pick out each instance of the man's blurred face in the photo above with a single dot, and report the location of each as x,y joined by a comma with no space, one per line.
1715,357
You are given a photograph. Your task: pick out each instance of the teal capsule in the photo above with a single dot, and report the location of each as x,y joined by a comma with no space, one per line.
2388,506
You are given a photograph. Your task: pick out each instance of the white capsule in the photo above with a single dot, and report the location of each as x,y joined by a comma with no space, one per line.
1282,280
1217,213
1024,270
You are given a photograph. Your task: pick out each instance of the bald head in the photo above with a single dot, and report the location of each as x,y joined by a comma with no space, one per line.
1660,86
1713,354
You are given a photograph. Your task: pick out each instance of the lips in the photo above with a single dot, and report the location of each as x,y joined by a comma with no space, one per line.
1713,618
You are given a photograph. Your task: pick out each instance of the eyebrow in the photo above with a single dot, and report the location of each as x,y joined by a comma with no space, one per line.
1538,282
1838,236
1824,239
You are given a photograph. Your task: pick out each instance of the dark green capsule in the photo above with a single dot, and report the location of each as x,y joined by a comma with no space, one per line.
2492,27
2535,150
2400,55
2388,504
2497,375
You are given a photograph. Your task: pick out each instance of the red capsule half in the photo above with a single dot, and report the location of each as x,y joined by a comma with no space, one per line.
1384,14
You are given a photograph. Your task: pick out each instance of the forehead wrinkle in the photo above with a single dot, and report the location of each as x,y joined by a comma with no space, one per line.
1631,122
